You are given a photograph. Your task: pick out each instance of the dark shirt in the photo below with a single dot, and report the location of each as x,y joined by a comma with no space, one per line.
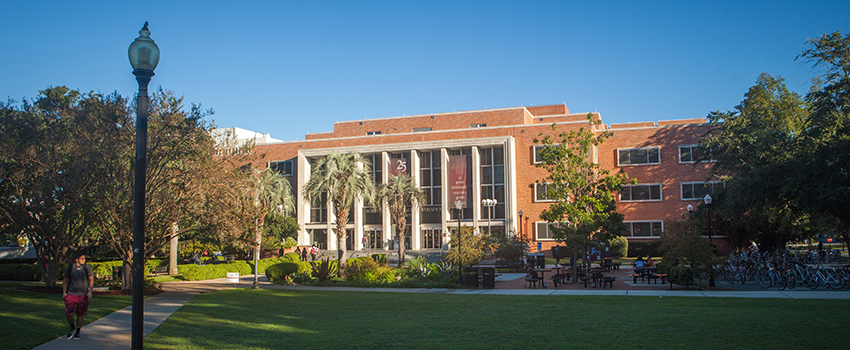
78,278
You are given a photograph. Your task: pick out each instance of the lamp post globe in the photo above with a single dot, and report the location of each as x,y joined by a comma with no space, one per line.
144,57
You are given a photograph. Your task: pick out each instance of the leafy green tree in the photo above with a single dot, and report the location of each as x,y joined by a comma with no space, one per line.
50,153
179,155
821,177
400,193
753,148
270,194
474,248
585,210
342,177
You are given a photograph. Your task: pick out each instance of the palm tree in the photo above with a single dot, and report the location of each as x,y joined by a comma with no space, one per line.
271,194
343,176
400,192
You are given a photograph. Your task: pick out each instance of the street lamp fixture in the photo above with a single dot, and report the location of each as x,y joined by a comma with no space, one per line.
707,201
459,207
144,57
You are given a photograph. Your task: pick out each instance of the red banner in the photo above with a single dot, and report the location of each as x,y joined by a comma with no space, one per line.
457,179
399,166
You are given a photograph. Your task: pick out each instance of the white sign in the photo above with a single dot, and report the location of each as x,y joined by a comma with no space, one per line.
233,277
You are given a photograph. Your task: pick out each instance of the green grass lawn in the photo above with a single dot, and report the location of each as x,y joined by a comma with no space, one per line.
29,319
277,319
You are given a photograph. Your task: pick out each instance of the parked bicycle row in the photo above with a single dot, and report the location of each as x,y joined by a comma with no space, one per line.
784,270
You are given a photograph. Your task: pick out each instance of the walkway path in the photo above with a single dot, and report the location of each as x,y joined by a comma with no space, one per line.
113,331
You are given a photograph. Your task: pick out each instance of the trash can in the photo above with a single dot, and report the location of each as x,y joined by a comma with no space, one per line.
488,278
541,261
472,279
116,273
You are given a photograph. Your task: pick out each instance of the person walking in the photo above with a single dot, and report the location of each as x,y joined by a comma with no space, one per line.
77,290
298,252
313,251
304,254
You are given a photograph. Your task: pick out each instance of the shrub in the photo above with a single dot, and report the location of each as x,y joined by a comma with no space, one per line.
326,270
199,273
418,267
278,272
357,269
291,257
20,272
619,247
381,259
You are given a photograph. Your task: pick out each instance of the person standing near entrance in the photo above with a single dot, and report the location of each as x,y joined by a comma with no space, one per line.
77,290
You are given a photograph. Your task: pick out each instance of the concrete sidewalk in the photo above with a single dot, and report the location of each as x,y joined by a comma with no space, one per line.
113,330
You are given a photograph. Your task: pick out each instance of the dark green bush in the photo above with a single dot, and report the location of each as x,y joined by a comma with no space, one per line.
20,272
619,247
326,270
644,248
381,259
291,257
279,271
205,272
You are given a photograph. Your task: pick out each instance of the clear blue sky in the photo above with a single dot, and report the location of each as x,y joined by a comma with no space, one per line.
289,68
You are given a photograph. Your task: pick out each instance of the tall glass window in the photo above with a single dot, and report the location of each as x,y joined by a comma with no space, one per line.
493,181
430,181
372,215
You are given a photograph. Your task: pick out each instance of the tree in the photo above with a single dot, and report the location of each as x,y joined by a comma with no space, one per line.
584,211
400,193
270,193
49,169
826,137
753,148
475,247
179,154
342,177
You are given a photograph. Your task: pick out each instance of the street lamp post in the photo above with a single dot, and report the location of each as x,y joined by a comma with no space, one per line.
707,201
459,206
258,237
489,204
144,56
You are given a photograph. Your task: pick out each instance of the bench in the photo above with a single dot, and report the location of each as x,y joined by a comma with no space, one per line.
636,275
609,281
509,264
585,280
531,281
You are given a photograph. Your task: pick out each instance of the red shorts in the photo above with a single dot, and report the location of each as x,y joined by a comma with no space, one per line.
78,304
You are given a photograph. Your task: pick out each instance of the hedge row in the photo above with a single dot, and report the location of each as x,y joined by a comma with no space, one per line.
31,272
243,267
644,248
20,272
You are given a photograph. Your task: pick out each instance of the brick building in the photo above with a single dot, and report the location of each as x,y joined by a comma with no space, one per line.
497,151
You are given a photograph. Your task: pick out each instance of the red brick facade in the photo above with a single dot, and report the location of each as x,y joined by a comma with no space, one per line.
514,130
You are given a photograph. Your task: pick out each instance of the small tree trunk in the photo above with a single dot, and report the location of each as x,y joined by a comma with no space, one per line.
127,275
172,251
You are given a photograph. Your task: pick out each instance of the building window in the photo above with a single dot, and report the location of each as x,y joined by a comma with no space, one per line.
640,193
478,125
690,154
542,231
493,181
537,158
319,208
283,167
638,156
432,238
430,181
373,133
421,129
696,190
644,229
540,193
